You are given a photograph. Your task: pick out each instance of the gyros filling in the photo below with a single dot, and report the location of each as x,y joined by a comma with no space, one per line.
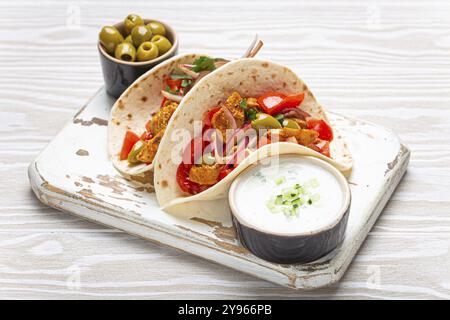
240,125
142,149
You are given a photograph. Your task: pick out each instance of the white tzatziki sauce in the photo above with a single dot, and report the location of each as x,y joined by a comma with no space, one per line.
295,195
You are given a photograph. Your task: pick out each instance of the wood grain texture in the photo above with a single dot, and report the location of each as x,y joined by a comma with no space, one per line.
376,60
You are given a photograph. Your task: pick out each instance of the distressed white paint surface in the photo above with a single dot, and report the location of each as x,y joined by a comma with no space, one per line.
74,174
382,61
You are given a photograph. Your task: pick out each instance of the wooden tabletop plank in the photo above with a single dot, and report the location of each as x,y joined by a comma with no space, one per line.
377,60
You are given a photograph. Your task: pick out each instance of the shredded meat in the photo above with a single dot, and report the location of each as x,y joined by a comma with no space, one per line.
304,136
205,174
148,152
252,103
161,118
301,123
220,121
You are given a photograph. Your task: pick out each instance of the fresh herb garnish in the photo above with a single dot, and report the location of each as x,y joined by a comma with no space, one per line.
279,117
170,90
250,113
186,83
203,64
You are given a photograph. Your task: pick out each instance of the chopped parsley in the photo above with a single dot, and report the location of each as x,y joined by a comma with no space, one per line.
250,113
292,199
204,64
186,83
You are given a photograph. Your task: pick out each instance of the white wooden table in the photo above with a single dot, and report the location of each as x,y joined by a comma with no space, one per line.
380,61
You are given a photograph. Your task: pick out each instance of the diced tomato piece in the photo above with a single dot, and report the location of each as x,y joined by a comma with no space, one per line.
274,102
224,172
182,174
209,115
325,149
163,101
321,146
269,101
323,129
146,136
174,84
185,184
194,150
128,142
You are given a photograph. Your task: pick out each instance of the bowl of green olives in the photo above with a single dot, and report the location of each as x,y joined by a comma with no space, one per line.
130,48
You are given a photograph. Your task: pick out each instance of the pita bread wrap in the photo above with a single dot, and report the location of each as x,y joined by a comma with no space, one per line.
250,78
134,108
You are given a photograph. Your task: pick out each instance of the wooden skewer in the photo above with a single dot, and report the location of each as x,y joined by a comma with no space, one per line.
256,49
250,48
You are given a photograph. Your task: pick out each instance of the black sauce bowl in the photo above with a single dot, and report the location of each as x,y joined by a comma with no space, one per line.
119,74
293,248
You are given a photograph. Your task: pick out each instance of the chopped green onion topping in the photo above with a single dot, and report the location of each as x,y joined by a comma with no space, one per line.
243,104
280,181
292,199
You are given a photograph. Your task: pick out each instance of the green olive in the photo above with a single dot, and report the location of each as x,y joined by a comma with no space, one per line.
125,51
289,123
110,38
163,44
135,151
131,21
147,51
265,121
157,28
140,34
128,39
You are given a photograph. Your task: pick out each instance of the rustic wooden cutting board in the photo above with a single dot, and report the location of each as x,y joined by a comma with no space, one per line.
73,174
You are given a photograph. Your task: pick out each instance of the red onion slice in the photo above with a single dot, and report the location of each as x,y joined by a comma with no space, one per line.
171,96
230,117
186,69
295,113
201,75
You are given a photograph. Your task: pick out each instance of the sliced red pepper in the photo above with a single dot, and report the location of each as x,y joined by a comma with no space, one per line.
325,149
128,142
324,130
274,102
185,184
269,101
194,150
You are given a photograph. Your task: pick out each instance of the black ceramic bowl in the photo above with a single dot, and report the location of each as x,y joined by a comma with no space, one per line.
119,74
293,248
